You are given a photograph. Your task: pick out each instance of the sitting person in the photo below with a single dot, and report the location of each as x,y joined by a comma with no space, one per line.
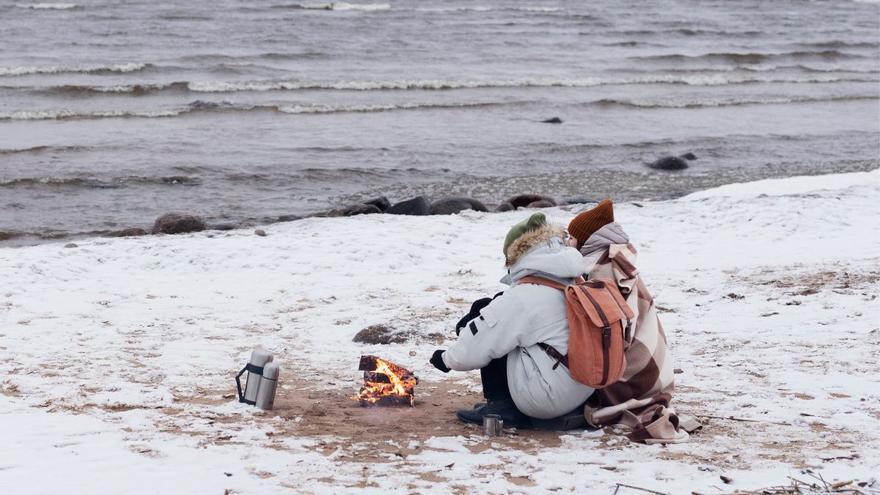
521,381
640,398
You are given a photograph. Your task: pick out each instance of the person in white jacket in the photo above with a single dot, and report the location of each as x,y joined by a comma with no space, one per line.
521,382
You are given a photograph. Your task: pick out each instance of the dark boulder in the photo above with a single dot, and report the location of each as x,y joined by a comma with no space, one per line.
416,206
524,200
289,218
381,202
223,226
505,206
689,156
554,120
132,232
449,206
364,209
541,203
669,163
381,334
178,223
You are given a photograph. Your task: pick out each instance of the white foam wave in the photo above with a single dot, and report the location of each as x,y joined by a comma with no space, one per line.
69,114
47,6
86,69
690,79
727,102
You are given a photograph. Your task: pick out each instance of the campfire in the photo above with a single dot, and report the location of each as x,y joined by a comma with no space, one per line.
385,383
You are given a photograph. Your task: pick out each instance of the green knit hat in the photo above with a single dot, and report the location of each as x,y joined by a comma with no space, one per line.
535,221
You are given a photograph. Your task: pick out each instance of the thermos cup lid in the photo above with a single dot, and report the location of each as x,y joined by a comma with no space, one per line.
260,357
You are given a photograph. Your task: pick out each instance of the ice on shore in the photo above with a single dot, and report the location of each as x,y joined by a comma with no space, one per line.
110,351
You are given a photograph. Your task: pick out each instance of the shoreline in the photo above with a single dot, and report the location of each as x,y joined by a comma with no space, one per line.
17,239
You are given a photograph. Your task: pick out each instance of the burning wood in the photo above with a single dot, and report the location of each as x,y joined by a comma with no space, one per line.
385,383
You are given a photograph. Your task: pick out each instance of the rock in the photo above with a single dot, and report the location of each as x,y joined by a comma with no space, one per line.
449,206
132,232
542,203
223,226
178,223
260,232
380,334
669,163
524,200
381,202
289,218
689,156
70,245
364,209
416,206
505,206
553,120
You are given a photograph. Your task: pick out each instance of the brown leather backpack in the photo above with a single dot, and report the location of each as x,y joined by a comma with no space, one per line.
599,323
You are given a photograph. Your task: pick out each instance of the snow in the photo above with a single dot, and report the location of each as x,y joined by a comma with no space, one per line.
116,356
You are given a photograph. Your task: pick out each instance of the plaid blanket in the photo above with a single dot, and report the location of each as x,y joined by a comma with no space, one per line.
648,380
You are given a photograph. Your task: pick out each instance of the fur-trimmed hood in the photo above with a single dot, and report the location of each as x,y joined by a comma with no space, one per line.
543,252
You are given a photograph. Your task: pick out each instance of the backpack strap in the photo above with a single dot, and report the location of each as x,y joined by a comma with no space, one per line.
552,352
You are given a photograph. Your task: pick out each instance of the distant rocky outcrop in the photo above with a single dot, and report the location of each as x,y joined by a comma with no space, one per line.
672,162
381,203
449,206
552,120
178,223
526,200
415,206
364,209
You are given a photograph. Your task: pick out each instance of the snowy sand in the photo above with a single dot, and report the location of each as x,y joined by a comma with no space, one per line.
117,356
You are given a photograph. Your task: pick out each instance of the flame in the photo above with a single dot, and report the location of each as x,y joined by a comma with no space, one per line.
400,384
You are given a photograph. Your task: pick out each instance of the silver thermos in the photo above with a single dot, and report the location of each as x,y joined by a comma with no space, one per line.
266,393
257,379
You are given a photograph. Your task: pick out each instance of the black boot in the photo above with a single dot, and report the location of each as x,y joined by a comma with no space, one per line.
512,416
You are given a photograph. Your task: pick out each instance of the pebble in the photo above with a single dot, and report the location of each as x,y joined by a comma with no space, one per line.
260,232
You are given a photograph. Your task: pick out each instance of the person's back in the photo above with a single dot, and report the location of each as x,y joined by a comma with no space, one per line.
510,328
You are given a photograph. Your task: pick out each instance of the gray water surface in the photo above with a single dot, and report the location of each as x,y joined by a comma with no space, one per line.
114,112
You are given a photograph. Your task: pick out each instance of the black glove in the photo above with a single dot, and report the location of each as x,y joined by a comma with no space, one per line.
437,361
475,312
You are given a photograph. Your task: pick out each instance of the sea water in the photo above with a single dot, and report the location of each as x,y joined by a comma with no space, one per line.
113,112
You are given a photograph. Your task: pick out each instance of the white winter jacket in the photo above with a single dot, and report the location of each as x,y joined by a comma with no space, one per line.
515,322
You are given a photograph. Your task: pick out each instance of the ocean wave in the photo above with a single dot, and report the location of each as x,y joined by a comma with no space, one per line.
80,69
759,73
749,57
47,6
368,7
42,149
726,102
200,106
93,183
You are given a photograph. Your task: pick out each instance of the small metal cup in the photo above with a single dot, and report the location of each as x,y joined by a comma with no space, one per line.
492,425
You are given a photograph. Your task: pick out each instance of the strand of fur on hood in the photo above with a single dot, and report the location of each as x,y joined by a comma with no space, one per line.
530,239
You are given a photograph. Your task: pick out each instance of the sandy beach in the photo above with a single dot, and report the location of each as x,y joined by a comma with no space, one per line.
117,356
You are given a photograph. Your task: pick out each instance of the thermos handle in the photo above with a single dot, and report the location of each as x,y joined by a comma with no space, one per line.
257,370
238,383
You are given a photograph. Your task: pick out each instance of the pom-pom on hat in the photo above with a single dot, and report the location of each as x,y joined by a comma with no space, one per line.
587,223
534,222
